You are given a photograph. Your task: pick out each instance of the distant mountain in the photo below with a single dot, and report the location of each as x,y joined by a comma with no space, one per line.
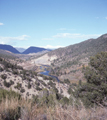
20,49
9,48
34,50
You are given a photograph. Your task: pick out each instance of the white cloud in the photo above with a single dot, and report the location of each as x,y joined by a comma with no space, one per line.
76,35
8,39
51,47
1,42
23,37
47,39
106,17
1,24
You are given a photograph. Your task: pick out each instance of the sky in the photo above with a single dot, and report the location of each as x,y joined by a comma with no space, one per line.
51,23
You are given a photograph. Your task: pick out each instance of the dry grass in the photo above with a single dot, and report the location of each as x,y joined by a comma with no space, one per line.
14,109
72,113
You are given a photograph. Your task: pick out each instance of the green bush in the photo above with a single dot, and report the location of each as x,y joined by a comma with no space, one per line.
1,69
64,100
9,94
18,86
51,84
38,88
66,81
15,72
29,85
35,99
4,76
6,84
11,82
70,90
22,90
95,90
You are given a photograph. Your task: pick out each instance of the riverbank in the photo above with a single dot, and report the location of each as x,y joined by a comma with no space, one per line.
46,72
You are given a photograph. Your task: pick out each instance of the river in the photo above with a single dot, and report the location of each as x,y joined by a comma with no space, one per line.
46,72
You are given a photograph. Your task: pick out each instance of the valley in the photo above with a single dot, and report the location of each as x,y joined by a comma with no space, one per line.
61,77
64,63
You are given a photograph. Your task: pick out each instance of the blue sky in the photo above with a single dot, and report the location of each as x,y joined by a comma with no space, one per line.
51,23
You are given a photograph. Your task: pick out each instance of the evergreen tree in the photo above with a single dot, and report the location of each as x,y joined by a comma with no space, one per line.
95,90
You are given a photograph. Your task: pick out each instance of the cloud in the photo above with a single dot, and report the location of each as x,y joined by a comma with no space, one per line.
1,24
106,17
6,40
51,47
47,39
76,35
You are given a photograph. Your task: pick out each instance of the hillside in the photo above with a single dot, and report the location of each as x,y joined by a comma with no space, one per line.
9,48
34,50
7,54
89,47
71,59
26,82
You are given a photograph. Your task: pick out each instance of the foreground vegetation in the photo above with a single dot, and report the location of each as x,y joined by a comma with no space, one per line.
15,109
95,90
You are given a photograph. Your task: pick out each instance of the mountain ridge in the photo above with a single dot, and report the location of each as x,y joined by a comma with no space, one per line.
70,59
89,43
16,50
9,48
33,49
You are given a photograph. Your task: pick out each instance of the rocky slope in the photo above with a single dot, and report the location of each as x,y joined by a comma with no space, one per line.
27,83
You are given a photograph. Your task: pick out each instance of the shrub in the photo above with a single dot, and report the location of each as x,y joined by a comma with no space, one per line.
35,99
45,77
22,90
11,82
51,84
37,83
4,76
18,86
1,69
9,94
6,84
15,72
95,90
70,90
66,81
38,88
29,85
64,100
